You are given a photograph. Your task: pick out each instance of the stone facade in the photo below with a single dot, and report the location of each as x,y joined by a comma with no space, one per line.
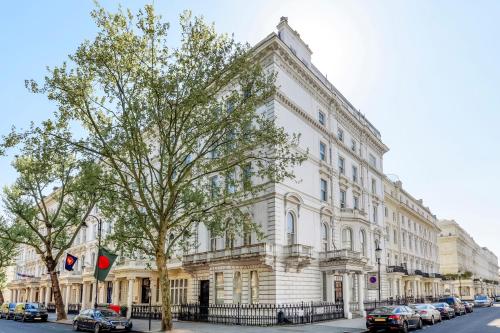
470,268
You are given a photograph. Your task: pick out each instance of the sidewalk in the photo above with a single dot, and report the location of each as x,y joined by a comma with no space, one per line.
356,325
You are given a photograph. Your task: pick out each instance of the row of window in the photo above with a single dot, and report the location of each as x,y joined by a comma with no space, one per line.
253,288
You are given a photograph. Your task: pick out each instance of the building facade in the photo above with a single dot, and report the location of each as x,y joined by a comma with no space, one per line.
412,249
469,269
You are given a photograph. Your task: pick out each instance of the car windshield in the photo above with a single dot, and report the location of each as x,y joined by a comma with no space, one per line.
439,305
384,310
450,301
107,313
34,306
419,306
481,298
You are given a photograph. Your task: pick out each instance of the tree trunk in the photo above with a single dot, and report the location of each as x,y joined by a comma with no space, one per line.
161,263
1,297
61,313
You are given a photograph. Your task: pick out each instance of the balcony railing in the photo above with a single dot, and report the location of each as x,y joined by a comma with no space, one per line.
246,251
297,250
397,269
344,254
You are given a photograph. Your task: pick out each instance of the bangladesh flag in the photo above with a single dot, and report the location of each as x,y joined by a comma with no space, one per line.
105,260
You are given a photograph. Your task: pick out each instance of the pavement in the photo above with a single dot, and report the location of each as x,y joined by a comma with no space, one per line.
482,320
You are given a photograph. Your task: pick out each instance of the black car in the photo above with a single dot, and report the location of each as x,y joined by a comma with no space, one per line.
446,310
101,320
455,303
30,311
399,318
469,307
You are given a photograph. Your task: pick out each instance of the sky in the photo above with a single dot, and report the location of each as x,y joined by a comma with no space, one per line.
425,72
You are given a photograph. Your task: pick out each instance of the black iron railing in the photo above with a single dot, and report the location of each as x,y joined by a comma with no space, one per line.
74,308
248,314
51,307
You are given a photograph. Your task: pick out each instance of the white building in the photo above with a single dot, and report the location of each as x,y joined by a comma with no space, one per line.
412,250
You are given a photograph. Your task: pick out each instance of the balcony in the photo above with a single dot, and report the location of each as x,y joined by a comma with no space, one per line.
297,256
352,214
261,253
342,260
419,272
397,269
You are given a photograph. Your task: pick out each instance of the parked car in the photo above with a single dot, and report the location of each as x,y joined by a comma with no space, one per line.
97,320
469,307
30,311
400,318
497,298
445,309
7,310
427,312
482,300
455,303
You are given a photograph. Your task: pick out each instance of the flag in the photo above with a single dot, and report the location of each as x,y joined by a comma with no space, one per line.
70,262
105,260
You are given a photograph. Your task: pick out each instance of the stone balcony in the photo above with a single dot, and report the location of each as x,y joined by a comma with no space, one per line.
397,269
352,214
342,260
254,254
297,256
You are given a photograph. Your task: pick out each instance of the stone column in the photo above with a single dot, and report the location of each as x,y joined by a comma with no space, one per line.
414,289
130,297
116,292
47,295
66,297
329,288
346,295
361,294
84,295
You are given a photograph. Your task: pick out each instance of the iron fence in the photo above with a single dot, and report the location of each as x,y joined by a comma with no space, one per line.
74,308
51,307
248,314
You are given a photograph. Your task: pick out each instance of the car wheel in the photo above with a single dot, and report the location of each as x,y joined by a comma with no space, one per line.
405,327
76,328
432,320
97,328
420,324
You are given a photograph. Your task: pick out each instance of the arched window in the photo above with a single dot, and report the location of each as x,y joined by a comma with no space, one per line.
229,239
362,241
324,237
347,239
290,228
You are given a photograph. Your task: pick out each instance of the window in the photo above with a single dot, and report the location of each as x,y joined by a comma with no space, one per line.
342,199
219,288
355,202
231,182
374,186
341,165
375,213
229,239
372,160
386,211
340,134
321,118
247,176
214,186
395,236
354,173
353,145
324,237
347,239
362,241
254,287
247,237
213,242
237,288
290,228
324,190
178,291
322,151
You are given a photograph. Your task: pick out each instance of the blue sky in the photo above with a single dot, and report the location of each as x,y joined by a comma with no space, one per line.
425,72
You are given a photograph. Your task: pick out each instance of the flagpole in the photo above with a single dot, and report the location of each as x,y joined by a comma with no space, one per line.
99,230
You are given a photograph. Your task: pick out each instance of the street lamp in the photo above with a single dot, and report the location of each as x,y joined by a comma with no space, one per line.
378,254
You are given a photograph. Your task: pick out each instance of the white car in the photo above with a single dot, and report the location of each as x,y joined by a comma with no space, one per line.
427,312
482,300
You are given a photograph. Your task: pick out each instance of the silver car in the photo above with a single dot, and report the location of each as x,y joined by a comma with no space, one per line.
482,300
427,312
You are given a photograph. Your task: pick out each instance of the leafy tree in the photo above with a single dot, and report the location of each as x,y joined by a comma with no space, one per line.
185,134
7,255
54,193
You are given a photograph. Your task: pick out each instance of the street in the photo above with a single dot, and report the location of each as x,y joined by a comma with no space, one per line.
482,320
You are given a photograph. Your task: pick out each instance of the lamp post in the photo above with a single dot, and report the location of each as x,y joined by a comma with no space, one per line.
378,253
149,295
460,283
99,232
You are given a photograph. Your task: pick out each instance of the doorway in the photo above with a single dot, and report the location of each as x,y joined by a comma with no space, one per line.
204,299
144,290
338,290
